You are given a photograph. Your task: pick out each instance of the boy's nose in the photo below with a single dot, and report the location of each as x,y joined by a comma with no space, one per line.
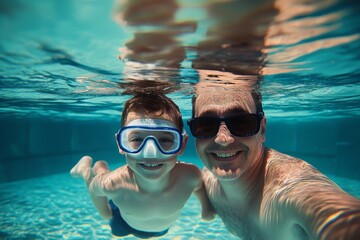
150,150
224,137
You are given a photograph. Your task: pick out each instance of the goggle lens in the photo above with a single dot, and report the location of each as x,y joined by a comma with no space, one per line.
132,139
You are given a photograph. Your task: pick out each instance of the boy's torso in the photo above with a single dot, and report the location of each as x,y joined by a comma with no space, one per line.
152,211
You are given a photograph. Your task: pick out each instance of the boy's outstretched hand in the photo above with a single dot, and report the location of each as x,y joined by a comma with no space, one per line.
83,169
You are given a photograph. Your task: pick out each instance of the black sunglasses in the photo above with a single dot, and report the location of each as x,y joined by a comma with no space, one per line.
243,125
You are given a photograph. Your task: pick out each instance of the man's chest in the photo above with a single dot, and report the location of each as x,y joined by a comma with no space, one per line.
238,219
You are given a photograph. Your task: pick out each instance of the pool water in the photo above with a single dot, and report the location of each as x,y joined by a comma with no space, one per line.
59,207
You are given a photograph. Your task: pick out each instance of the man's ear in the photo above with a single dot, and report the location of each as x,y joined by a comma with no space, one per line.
185,140
117,144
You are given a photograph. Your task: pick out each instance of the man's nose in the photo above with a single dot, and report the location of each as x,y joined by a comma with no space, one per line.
224,137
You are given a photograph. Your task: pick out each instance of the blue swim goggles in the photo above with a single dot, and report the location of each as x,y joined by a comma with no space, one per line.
150,138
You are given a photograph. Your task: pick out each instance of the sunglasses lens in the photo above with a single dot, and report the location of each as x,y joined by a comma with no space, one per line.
242,126
204,127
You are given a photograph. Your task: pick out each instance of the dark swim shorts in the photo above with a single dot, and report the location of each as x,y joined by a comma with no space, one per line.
120,228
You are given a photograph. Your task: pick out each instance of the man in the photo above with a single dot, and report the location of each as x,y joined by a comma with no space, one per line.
260,193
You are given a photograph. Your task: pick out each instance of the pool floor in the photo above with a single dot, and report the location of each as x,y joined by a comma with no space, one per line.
59,207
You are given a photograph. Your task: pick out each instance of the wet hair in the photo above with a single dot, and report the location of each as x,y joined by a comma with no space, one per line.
255,96
152,102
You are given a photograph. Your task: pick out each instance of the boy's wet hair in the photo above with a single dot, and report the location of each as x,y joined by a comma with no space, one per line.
152,102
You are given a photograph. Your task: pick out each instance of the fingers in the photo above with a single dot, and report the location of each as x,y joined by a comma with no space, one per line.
208,216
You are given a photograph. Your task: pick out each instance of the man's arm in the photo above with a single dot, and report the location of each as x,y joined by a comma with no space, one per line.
296,192
208,212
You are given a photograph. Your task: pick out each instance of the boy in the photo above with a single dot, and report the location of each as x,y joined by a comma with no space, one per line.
145,197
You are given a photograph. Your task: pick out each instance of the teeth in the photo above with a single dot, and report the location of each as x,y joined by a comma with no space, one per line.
225,155
150,165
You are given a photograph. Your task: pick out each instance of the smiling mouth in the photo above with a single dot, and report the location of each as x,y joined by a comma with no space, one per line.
225,156
151,166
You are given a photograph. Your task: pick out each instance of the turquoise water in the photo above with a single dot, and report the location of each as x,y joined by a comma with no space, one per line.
61,85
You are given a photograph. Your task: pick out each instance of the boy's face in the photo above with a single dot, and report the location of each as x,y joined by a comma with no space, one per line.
152,167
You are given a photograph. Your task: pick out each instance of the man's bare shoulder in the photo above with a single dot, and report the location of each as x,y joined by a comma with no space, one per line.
282,164
284,170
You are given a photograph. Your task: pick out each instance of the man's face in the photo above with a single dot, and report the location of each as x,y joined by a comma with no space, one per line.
225,155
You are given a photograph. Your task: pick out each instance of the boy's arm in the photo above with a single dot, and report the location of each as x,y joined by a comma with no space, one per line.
208,212
96,190
83,170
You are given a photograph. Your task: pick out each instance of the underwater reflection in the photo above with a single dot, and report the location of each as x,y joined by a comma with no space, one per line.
233,41
241,37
